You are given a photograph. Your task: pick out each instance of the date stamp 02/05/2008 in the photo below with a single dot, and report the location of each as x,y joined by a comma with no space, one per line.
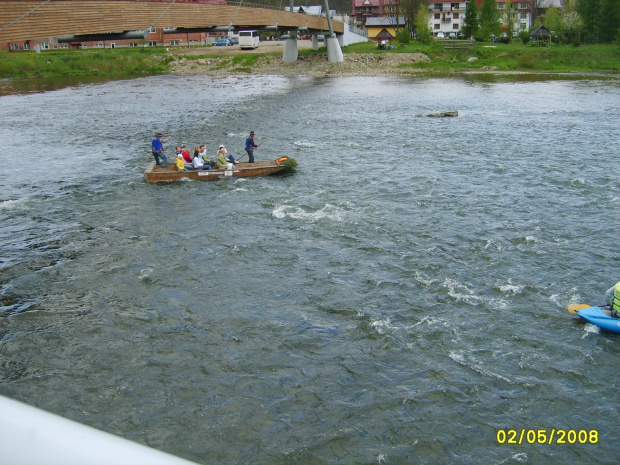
546,436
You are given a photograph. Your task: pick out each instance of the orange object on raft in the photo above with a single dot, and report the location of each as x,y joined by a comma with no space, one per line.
280,160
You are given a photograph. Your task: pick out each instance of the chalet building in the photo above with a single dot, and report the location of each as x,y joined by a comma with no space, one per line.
364,9
381,28
449,17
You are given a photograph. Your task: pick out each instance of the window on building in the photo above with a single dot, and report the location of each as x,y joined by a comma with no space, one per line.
455,26
45,45
438,7
437,16
153,43
455,15
174,42
437,26
13,47
133,44
523,26
26,46
523,6
523,15
454,6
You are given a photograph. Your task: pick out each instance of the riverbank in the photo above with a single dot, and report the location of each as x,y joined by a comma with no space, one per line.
366,60
363,59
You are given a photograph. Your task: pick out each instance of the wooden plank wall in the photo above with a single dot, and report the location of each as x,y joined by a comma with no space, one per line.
72,17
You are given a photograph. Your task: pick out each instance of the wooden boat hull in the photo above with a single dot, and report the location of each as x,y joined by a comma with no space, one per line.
154,173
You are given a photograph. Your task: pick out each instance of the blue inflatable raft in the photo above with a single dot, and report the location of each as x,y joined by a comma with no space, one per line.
601,318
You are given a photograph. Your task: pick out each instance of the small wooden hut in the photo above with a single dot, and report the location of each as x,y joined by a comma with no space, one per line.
541,37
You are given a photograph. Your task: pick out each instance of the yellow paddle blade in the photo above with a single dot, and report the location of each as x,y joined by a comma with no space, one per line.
574,307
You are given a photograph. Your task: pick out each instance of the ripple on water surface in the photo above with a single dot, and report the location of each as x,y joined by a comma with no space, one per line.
399,299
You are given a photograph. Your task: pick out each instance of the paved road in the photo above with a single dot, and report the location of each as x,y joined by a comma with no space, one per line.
265,46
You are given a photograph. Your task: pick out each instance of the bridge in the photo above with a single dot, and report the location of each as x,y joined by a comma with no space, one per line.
43,19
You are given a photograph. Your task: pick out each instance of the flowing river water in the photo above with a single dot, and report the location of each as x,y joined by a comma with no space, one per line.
400,299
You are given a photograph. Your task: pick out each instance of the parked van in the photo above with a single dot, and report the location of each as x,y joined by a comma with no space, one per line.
248,39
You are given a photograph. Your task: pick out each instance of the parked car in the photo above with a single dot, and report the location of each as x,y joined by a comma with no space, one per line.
441,35
452,35
283,37
223,43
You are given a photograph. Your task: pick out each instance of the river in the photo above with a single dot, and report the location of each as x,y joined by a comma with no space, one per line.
400,299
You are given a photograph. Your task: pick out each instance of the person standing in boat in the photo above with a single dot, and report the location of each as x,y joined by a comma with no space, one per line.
612,297
250,145
157,148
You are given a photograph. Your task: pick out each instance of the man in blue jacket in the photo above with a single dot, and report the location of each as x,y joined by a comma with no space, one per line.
250,145
158,149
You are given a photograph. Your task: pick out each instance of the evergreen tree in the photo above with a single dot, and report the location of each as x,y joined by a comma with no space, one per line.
470,24
590,10
610,20
489,20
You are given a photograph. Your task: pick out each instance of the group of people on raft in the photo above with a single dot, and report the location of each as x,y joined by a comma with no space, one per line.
200,160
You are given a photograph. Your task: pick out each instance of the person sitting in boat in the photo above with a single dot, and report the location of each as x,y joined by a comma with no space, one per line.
205,158
178,152
222,160
230,158
198,163
180,162
187,158
612,297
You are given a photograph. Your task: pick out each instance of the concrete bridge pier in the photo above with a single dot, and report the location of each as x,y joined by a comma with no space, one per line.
315,42
334,52
290,51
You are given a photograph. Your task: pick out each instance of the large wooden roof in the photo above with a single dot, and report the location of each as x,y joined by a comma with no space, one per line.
36,19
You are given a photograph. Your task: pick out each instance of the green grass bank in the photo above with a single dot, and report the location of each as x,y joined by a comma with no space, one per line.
508,57
484,57
75,63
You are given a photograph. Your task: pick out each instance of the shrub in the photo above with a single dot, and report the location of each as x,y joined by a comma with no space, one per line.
403,36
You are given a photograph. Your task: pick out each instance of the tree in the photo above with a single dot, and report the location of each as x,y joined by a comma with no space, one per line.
589,10
421,24
470,24
553,21
610,20
573,25
510,14
489,20
410,9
